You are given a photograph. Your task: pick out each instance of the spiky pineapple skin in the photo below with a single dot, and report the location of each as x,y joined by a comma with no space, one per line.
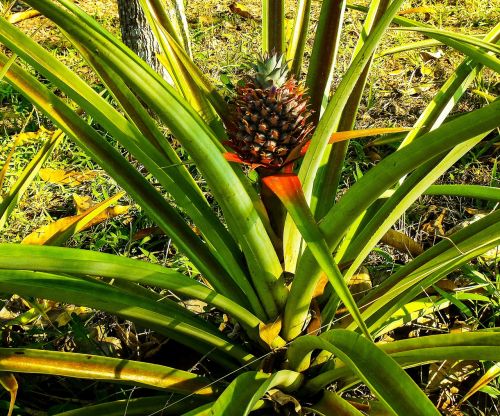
270,116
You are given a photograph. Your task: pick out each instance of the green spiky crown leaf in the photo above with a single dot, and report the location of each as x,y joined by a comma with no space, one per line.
270,70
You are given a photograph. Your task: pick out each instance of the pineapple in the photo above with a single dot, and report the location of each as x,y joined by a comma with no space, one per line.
270,117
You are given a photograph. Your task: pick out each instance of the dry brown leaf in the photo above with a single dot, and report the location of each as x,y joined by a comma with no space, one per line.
487,378
269,332
320,287
422,9
69,178
284,400
240,10
402,243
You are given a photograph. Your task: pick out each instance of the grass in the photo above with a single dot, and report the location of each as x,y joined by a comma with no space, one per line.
400,86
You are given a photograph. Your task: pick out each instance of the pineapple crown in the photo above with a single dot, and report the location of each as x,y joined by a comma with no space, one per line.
271,71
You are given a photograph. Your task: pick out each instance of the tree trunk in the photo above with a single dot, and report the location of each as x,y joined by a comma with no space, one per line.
137,34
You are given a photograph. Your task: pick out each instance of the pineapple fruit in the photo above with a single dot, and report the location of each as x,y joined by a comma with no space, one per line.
270,117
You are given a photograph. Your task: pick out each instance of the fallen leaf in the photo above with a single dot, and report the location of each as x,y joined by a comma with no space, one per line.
69,178
21,16
397,72
435,227
402,243
419,89
449,373
59,231
430,56
427,10
82,203
240,10
425,70
146,232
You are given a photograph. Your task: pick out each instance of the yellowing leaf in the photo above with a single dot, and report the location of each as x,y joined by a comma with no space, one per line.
425,70
19,139
70,178
59,231
489,376
269,332
20,16
397,72
356,134
9,383
488,97
360,283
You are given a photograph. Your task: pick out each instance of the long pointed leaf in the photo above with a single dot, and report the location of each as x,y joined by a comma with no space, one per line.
289,191
166,317
379,371
243,393
83,262
94,367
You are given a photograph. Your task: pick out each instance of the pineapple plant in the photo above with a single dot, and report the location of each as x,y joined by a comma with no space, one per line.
270,115
264,275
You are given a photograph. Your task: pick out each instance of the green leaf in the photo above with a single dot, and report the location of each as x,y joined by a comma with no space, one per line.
429,267
413,351
297,42
381,373
199,142
167,317
332,404
369,188
83,262
273,26
488,193
289,190
240,397
164,405
490,47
